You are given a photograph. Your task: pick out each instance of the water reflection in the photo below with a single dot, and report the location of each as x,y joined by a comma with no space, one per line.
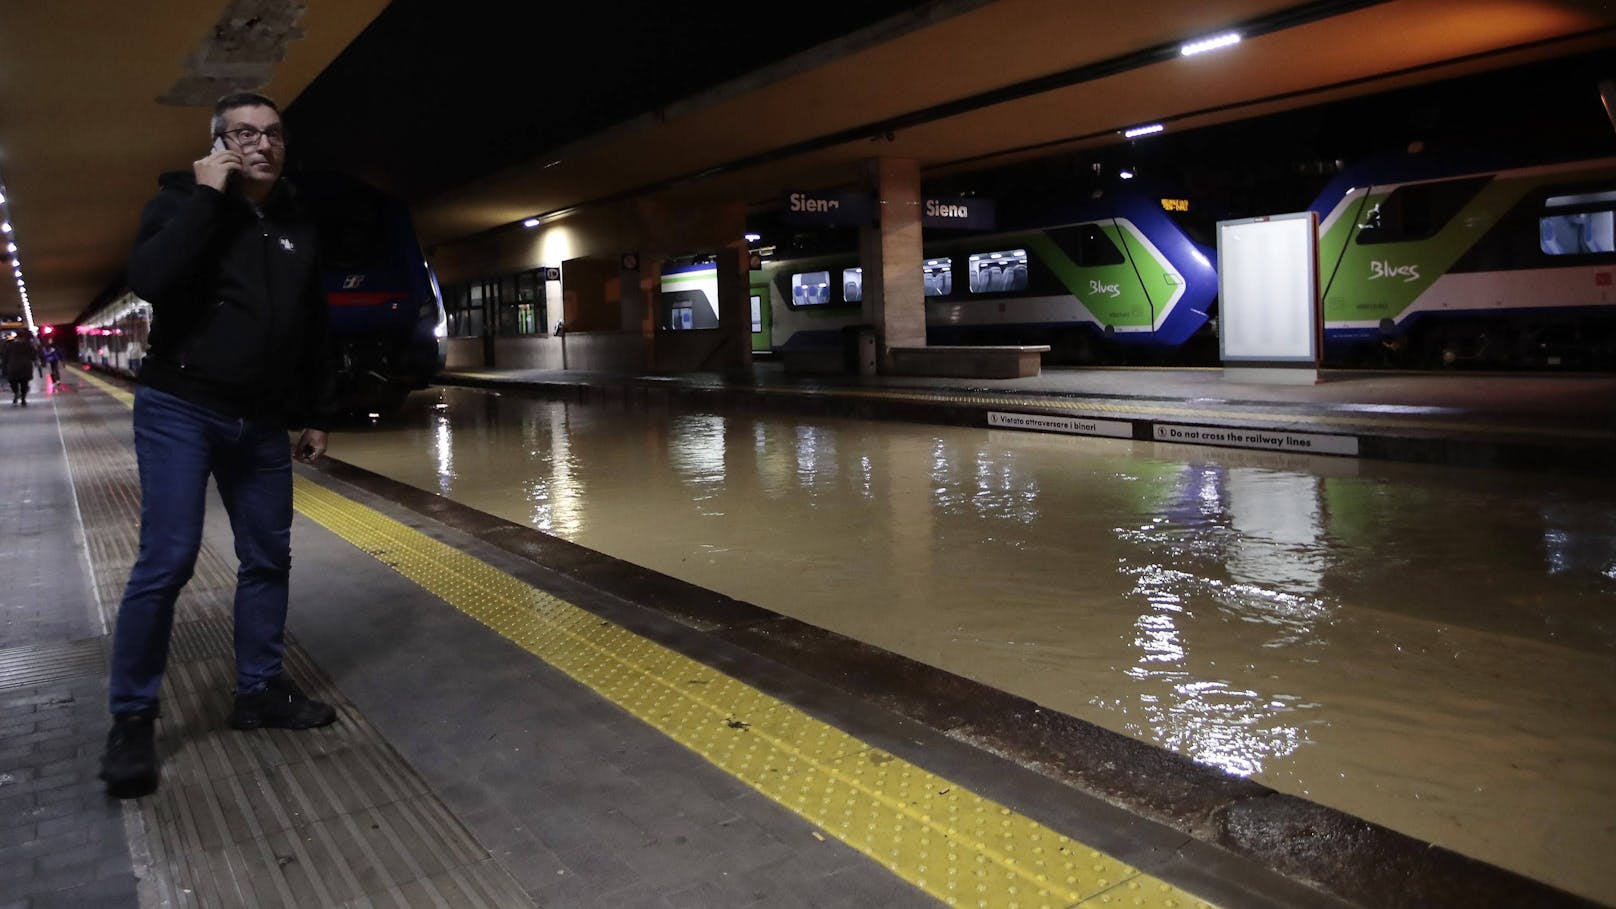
1245,546
443,452
696,449
553,488
1262,613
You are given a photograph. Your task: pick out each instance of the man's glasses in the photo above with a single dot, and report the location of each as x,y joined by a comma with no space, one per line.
250,136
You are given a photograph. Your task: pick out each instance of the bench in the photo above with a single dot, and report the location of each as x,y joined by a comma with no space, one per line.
1006,361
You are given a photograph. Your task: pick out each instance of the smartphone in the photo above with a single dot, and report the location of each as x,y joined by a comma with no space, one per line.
219,146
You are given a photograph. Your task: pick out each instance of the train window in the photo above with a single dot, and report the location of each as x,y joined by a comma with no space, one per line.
1087,245
995,272
938,277
853,285
1417,212
810,288
1577,234
757,314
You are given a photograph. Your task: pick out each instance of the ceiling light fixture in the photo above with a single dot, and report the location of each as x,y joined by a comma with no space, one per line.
1210,44
1138,131
531,222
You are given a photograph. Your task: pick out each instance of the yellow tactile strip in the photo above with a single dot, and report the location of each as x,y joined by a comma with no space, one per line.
959,847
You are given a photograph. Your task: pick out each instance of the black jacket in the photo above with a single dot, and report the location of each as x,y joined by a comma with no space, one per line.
17,359
239,320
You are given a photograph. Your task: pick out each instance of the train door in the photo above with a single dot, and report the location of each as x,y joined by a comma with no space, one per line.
1160,282
1090,260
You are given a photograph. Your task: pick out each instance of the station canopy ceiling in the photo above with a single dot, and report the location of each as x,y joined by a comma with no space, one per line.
482,114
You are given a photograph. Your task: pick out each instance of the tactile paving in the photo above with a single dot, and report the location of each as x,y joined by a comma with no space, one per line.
954,844
329,817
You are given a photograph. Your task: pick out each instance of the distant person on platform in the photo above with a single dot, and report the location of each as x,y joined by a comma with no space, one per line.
39,353
53,359
238,355
18,357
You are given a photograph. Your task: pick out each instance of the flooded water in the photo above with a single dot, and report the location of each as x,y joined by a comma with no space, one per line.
1430,649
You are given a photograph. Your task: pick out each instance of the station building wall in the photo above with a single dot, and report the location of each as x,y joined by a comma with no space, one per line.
608,309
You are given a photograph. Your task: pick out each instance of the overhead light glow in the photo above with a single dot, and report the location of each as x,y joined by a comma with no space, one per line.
1126,175
2,198
531,222
753,238
1138,131
6,227
1209,44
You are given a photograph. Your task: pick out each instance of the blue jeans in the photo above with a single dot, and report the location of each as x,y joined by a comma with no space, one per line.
177,445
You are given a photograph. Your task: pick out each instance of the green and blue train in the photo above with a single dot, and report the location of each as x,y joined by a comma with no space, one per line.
1434,263
1422,263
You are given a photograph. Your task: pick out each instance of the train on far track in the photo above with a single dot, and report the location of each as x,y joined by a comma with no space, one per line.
1423,263
1431,263
388,323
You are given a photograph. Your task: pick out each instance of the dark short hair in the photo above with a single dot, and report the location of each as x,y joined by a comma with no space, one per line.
239,99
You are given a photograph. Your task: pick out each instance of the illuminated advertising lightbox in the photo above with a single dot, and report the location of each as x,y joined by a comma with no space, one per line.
1268,291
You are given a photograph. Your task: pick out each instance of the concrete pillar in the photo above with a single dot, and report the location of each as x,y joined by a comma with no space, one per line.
631,301
735,305
890,253
650,285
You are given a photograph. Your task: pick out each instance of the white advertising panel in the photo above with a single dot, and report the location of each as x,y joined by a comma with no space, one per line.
1268,299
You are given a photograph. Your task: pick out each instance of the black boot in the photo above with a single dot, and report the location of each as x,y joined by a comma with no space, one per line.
280,705
130,766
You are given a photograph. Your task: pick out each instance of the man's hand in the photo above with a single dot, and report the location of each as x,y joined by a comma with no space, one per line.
216,168
310,446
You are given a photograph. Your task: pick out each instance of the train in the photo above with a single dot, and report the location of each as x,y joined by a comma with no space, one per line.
1112,275
1424,262
388,324
1431,263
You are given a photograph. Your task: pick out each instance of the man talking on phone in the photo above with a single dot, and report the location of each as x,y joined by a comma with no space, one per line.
238,356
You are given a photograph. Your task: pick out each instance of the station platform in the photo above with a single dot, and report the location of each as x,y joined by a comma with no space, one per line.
1537,421
524,722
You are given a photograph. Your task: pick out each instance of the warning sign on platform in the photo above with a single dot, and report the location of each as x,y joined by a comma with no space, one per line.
1114,429
1271,439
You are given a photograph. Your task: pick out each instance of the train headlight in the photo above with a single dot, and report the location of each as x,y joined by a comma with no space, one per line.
440,328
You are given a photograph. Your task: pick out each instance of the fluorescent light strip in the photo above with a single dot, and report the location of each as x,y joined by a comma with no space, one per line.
1209,44
1138,131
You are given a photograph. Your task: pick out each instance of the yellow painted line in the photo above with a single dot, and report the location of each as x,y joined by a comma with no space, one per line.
124,397
961,848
